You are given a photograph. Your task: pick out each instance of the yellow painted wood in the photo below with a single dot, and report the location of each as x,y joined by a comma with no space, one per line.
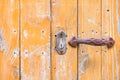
89,57
35,39
111,27
9,40
108,56
64,17
37,19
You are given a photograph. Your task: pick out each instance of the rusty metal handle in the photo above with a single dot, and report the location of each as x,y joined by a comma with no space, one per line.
92,41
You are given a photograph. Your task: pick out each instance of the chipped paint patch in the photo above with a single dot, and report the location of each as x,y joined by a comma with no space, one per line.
16,72
93,22
40,14
11,1
41,51
83,64
25,32
2,42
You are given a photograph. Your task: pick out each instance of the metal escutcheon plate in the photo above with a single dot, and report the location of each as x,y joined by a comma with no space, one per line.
61,42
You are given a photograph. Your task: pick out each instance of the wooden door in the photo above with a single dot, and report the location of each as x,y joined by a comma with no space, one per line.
27,39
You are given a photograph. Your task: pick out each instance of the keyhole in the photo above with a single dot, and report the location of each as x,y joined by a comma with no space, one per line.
61,46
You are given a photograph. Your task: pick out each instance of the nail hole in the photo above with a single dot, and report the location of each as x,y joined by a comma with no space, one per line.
55,35
25,52
82,51
105,32
14,30
66,35
92,30
82,32
42,52
105,51
14,52
107,10
42,31
96,51
103,39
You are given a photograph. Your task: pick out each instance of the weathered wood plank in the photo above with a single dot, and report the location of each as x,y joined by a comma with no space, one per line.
35,39
64,17
110,57
9,40
89,26
107,54
117,36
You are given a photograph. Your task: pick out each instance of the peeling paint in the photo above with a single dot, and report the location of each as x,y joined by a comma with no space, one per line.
60,67
84,61
25,32
16,72
42,51
40,14
93,22
2,42
11,1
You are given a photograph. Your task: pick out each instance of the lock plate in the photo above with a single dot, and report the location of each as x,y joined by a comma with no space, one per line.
61,42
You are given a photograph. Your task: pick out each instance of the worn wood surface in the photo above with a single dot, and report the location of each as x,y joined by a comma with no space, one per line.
107,30
89,57
9,40
27,39
110,27
64,17
35,39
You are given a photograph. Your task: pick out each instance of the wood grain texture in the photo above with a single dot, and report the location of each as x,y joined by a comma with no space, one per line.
9,40
64,17
35,39
107,54
38,21
89,26
116,20
110,58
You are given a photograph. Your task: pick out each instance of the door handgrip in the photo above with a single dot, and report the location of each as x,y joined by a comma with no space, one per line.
92,41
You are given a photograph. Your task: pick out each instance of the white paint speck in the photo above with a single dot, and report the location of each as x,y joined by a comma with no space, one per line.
25,33
11,1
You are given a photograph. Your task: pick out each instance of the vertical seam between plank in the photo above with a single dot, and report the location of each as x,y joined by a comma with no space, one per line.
19,39
101,33
50,39
77,37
